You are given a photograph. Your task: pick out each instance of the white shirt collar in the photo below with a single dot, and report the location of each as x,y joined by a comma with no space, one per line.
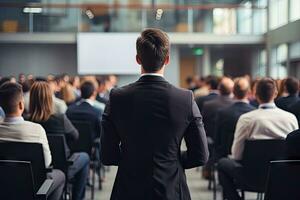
151,74
13,119
242,100
267,105
89,101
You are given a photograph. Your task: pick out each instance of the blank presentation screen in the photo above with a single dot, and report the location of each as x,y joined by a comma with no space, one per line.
102,53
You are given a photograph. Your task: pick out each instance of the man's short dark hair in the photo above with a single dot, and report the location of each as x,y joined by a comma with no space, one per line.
212,81
10,96
266,89
87,89
152,49
292,85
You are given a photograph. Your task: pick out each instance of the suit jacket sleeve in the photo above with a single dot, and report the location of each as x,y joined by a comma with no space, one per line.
71,132
110,140
196,141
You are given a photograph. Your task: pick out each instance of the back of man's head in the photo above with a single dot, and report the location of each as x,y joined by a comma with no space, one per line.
226,86
266,90
87,89
11,95
212,82
291,85
241,88
152,49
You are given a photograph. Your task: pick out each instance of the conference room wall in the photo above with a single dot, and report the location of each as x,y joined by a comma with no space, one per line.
44,59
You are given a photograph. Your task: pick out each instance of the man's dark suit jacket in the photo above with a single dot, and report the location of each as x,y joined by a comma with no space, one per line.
286,102
225,126
210,110
201,100
83,111
295,109
293,145
143,127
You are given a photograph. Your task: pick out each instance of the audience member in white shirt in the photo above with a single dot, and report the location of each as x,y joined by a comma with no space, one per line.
267,122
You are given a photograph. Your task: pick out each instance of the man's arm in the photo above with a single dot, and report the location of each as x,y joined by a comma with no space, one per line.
110,140
240,136
196,141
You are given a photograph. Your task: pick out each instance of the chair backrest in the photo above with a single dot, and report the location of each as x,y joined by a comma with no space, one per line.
57,144
283,180
85,141
256,157
31,152
16,180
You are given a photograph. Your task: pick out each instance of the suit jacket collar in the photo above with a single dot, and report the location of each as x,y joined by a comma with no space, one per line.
149,78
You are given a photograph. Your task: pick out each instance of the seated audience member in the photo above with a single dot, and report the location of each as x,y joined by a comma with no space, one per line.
41,111
84,110
211,108
292,144
267,122
15,128
252,99
227,118
291,87
75,83
59,106
68,95
26,87
211,83
202,89
101,91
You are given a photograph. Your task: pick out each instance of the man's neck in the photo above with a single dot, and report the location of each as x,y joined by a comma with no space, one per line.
160,72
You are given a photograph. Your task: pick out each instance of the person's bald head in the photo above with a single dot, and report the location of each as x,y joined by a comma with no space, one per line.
226,86
241,88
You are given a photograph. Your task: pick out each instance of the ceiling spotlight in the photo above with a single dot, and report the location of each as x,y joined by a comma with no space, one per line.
159,13
90,14
32,10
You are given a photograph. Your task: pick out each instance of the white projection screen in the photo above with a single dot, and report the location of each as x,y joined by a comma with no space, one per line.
103,53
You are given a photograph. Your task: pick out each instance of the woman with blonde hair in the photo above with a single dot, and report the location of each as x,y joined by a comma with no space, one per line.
41,111
67,94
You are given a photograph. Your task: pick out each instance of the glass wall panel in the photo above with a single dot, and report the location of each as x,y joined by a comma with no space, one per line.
294,10
278,15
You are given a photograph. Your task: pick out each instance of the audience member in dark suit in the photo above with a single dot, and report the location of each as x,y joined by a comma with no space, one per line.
101,91
211,83
293,145
291,86
15,128
143,126
84,109
227,118
41,109
211,108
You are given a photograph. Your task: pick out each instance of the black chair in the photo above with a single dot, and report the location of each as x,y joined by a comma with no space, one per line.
17,182
256,157
86,143
283,180
31,152
57,144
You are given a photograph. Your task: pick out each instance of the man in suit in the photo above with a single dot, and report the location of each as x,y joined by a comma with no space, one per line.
15,128
211,108
227,118
211,82
291,86
143,127
84,110
267,122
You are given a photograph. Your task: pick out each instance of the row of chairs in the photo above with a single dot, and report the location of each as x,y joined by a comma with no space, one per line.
22,165
264,162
